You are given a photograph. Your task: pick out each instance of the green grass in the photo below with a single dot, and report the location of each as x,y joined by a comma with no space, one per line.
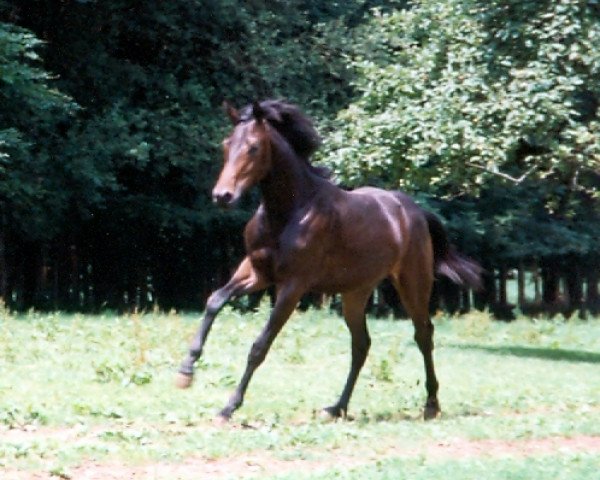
78,389
564,467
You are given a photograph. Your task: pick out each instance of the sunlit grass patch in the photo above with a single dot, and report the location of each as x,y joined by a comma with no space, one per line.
556,467
75,388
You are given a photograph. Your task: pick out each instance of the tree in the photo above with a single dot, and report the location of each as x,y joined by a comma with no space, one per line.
455,93
30,109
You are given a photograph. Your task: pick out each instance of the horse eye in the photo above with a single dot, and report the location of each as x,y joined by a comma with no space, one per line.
252,150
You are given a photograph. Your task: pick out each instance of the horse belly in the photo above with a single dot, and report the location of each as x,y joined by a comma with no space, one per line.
354,271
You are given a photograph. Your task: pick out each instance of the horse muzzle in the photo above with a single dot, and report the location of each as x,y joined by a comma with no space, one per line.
223,198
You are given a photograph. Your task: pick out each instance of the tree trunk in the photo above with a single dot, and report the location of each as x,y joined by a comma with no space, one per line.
3,271
536,284
574,281
502,299
550,285
521,285
73,288
593,295
31,274
502,310
487,296
465,300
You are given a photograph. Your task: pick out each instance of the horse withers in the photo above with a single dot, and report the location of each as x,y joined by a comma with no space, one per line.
309,235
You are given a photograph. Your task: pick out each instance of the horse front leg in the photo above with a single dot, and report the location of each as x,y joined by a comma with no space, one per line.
245,280
287,299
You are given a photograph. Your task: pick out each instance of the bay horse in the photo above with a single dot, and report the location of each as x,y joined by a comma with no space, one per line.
309,235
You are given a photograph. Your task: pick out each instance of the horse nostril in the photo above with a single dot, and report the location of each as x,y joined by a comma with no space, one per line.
223,199
226,198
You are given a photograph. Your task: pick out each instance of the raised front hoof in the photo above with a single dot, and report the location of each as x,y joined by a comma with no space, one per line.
432,410
331,414
221,420
183,380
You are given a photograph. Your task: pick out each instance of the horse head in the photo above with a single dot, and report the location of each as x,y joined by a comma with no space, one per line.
246,155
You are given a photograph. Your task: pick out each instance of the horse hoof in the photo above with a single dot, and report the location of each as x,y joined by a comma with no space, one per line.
432,410
220,420
327,417
331,414
183,381
430,414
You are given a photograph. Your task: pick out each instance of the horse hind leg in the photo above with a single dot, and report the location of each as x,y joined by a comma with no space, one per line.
414,292
353,307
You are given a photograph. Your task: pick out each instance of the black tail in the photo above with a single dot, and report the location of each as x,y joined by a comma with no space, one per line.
447,261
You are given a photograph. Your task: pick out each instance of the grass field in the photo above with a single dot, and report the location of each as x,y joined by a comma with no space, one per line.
92,397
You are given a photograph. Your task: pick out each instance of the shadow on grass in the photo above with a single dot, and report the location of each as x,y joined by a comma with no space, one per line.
415,416
556,354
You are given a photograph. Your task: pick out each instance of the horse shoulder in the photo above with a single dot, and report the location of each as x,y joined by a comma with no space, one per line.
255,231
260,245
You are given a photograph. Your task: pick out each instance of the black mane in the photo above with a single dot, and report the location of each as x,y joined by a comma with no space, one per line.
294,126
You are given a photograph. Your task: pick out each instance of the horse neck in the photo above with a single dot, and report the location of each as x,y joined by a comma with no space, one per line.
289,184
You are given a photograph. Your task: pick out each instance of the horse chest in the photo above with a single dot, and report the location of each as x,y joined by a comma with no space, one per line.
291,250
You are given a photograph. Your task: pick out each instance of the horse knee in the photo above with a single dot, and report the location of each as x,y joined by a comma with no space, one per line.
215,302
257,353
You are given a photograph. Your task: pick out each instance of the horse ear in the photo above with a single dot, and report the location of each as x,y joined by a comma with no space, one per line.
232,112
258,112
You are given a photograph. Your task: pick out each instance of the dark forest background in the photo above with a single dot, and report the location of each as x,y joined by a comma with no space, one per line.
110,132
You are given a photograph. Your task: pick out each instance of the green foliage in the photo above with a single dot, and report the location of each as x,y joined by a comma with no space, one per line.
24,82
508,223
17,417
151,78
450,93
30,109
